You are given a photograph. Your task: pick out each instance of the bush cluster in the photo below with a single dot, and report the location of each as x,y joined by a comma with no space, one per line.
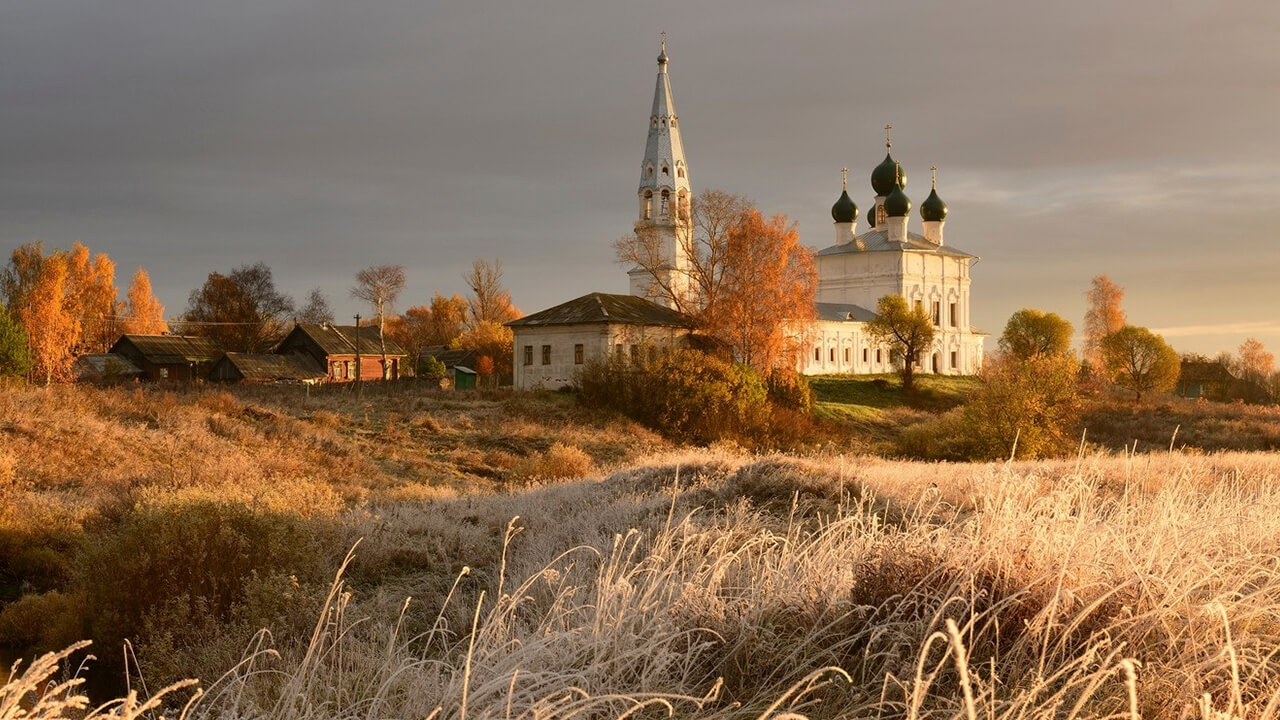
684,394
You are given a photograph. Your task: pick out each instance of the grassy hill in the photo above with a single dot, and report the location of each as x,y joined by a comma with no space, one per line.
647,576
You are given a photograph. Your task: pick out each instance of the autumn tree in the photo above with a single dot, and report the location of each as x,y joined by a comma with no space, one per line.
489,300
92,297
1253,363
412,331
750,283
492,340
1103,316
380,286
766,292
1033,332
317,310
906,330
448,317
1139,360
702,237
48,317
19,275
144,315
241,311
14,359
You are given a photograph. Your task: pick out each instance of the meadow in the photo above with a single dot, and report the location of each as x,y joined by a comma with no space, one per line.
432,555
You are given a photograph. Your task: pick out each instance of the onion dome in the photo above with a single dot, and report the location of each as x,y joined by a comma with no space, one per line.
662,57
933,209
844,211
897,204
888,175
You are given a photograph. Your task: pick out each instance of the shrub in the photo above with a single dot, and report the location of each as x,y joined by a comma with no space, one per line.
1035,402
431,369
685,394
559,462
789,389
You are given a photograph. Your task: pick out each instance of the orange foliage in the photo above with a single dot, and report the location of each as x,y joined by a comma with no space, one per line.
766,293
145,313
1103,317
492,340
1255,363
49,319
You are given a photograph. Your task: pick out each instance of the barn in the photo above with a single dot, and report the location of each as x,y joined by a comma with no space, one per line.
266,368
177,358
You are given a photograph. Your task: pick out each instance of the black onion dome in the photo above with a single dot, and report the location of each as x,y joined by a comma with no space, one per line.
888,175
933,209
897,204
844,211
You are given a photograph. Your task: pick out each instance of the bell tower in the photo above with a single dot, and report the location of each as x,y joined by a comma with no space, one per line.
663,224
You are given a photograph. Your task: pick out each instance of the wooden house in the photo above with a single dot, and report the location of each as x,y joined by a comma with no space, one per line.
266,368
176,358
334,349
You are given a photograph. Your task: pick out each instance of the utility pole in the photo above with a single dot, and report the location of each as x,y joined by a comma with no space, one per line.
359,388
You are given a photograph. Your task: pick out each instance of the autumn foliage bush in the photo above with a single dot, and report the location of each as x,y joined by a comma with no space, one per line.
684,394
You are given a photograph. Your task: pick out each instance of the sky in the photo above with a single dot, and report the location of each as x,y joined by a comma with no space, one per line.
1140,140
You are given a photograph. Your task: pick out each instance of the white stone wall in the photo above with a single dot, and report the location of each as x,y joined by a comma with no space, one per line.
845,348
596,339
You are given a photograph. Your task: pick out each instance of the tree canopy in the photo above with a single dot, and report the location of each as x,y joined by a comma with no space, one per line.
144,313
241,311
751,284
906,330
1139,360
1103,317
380,286
1032,332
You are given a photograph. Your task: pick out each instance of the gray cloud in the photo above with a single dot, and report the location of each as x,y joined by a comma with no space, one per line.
1073,139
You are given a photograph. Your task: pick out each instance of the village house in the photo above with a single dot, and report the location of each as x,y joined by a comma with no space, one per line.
333,348
552,345
178,358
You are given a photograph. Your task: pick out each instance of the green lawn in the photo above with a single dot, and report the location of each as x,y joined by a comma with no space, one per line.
933,392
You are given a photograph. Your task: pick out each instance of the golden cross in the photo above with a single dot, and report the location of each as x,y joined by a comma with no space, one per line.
934,170
888,137
844,177
664,41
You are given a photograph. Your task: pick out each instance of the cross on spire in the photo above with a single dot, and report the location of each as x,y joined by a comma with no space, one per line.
934,171
664,41
888,137
844,177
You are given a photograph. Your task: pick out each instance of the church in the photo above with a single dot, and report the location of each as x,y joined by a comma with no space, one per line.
854,272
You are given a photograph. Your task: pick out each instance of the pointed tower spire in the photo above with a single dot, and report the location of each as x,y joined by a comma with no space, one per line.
665,193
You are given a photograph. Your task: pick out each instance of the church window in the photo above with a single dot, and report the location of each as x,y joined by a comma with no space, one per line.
577,354
649,171
937,313
666,170
666,198
955,359
865,355
847,351
528,354
878,356
673,122
953,316
817,354
648,202
546,354
831,355
679,172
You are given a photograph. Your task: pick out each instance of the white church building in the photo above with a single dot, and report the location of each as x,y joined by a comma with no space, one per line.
856,271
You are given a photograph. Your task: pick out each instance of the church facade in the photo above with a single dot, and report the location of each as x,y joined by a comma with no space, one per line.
854,272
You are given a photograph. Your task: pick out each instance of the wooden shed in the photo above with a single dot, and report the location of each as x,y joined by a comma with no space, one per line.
175,358
266,368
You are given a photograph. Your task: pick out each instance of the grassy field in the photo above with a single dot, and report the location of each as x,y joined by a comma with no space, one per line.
518,557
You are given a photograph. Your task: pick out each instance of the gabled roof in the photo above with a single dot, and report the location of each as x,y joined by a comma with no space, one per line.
844,312
260,366
449,357
341,339
605,308
878,241
102,364
172,349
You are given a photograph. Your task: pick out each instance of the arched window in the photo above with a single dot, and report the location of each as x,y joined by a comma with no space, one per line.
648,204
679,172
666,197
666,170
649,171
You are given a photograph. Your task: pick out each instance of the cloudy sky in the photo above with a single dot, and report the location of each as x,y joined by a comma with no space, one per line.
1134,139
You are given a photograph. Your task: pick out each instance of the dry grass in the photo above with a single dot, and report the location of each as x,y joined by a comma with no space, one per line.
711,583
